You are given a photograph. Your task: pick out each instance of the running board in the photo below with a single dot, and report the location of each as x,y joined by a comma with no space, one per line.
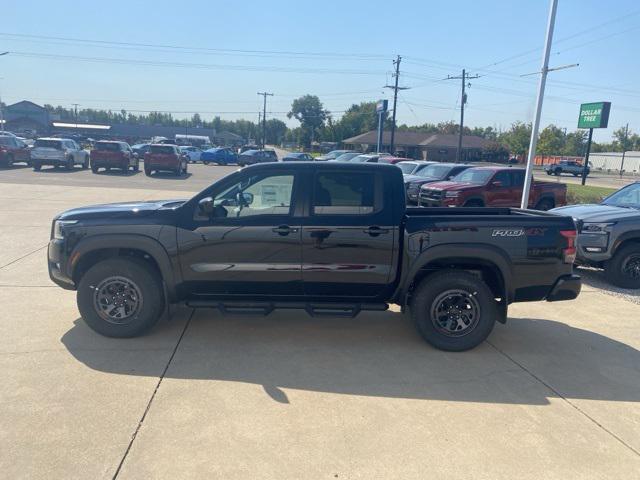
348,310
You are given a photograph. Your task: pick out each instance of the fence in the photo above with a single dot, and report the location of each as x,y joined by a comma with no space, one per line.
614,163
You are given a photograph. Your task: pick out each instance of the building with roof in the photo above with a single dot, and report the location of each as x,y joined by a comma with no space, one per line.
26,116
438,147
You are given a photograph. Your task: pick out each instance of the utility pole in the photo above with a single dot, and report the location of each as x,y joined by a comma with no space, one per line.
395,88
2,114
463,99
524,203
75,109
264,116
624,148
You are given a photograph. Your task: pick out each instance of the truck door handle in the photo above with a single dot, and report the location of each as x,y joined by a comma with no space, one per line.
284,230
375,231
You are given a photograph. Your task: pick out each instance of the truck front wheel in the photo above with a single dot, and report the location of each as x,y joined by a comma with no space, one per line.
623,270
120,297
454,310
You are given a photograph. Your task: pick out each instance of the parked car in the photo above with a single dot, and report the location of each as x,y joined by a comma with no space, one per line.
436,172
192,153
391,159
332,241
248,147
256,156
411,167
140,149
297,157
492,187
566,166
58,152
220,156
609,235
13,150
165,158
332,155
345,157
365,158
111,154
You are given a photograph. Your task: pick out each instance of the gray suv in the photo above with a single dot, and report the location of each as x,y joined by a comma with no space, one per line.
609,235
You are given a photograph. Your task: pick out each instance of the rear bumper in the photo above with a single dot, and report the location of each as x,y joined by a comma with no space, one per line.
566,287
49,161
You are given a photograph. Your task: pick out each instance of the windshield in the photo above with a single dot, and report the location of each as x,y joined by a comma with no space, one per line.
435,171
49,144
109,147
473,175
629,196
406,167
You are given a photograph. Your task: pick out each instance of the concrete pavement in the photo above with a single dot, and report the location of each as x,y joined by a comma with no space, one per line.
553,394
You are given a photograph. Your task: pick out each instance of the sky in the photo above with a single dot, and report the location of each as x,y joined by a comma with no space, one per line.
213,57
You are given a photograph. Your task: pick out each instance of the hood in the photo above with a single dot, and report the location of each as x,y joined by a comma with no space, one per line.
449,186
598,213
419,179
119,210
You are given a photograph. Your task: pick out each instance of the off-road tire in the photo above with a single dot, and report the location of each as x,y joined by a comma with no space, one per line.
147,282
429,294
614,267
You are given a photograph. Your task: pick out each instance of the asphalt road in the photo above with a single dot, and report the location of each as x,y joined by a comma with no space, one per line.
595,179
199,177
552,394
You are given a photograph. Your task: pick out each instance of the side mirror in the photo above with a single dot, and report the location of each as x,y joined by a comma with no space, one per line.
205,207
245,198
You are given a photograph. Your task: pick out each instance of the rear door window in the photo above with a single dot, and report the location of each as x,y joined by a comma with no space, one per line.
346,193
166,149
504,178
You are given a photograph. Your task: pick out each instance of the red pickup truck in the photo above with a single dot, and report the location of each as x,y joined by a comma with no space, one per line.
165,158
111,154
491,187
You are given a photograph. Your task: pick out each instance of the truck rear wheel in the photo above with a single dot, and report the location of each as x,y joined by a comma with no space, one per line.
120,297
623,270
454,310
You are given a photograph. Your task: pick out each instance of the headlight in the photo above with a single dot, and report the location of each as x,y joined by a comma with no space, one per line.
600,228
451,194
412,186
58,228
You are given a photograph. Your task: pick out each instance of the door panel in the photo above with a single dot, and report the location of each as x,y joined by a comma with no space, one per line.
251,250
348,238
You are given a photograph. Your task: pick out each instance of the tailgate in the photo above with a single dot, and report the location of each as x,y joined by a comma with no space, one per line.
162,159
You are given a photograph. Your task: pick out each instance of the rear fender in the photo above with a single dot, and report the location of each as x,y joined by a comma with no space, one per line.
468,254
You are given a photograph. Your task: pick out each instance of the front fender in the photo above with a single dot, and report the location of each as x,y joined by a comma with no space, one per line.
127,241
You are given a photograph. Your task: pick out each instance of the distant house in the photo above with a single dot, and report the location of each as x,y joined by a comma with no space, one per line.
425,146
26,116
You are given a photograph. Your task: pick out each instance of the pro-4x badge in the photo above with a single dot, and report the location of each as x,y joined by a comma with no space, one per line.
507,232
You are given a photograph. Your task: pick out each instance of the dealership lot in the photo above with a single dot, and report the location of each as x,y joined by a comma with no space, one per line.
553,394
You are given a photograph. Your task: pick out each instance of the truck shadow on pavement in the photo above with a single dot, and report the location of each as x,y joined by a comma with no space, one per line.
527,361
170,176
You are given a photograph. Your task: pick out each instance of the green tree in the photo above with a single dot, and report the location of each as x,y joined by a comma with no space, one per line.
276,130
517,138
308,110
551,141
575,143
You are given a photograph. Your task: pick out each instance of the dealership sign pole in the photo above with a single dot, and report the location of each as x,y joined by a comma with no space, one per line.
381,110
592,115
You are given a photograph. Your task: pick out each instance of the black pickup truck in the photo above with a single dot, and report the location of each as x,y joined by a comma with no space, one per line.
332,239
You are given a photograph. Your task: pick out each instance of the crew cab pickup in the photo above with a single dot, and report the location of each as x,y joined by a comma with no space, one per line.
111,154
330,238
566,166
492,187
165,158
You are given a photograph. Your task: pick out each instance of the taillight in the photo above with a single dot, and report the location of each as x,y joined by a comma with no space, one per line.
569,252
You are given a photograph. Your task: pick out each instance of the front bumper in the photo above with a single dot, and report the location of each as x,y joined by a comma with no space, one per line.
56,262
567,287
